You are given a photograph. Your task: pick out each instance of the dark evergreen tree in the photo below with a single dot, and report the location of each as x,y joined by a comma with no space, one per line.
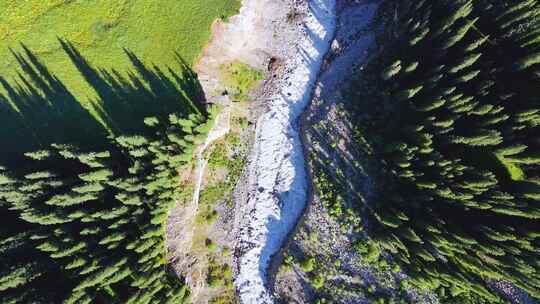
94,220
460,130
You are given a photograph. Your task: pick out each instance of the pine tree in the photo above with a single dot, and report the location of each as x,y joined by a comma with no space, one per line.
473,121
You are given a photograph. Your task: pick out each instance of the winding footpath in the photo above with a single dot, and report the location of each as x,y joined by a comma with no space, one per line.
277,171
180,228
221,127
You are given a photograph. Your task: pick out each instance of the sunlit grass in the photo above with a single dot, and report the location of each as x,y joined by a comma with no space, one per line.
514,171
153,30
240,78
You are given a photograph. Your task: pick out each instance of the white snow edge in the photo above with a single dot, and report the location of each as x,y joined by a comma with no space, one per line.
278,168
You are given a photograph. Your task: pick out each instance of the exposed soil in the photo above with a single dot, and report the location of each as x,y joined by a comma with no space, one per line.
259,36
276,179
290,41
329,142
181,228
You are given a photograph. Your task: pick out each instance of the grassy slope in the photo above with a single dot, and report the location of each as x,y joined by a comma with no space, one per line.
100,29
240,78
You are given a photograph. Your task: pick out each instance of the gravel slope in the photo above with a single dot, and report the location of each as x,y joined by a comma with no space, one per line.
277,173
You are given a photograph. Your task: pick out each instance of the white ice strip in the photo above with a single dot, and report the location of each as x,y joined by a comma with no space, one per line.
278,169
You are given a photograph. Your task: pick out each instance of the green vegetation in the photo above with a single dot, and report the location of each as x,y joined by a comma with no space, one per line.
240,78
318,281
154,30
210,245
450,110
226,158
85,201
331,196
308,264
220,276
209,198
514,170
369,249
220,188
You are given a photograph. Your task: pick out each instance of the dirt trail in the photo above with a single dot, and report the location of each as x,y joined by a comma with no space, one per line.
181,223
289,38
221,127
258,33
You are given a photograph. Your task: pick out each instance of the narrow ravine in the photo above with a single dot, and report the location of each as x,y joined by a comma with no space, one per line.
277,171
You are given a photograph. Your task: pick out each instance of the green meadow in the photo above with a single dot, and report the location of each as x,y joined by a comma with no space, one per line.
85,78
101,29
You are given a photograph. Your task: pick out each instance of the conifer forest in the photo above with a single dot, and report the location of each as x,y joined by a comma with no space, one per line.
370,151
85,202
456,129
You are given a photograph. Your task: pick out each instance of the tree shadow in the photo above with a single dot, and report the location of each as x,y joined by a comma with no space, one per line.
37,109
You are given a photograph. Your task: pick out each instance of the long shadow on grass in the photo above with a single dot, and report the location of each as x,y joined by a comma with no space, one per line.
124,101
37,109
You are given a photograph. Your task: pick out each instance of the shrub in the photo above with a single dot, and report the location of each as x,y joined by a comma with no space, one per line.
318,281
210,245
308,264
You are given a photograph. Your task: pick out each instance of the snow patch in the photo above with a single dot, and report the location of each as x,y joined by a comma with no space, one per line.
278,170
